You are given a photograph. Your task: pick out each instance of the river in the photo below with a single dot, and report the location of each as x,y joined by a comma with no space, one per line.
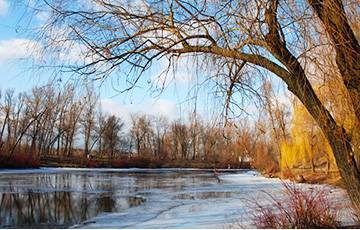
139,198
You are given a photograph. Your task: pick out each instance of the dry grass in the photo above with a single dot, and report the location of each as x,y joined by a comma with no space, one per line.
300,209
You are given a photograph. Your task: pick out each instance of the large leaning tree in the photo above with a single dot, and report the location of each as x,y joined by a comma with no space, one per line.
280,37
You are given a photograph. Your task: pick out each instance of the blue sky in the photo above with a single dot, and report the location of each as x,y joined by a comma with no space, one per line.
17,72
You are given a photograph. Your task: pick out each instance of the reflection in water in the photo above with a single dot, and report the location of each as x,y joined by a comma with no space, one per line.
69,198
54,201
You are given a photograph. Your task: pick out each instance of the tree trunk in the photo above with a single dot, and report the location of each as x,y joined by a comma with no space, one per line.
334,19
300,86
337,137
345,161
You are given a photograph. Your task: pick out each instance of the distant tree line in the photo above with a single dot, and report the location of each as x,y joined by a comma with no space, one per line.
66,123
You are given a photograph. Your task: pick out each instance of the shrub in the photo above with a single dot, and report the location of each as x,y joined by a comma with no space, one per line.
19,160
300,209
91,164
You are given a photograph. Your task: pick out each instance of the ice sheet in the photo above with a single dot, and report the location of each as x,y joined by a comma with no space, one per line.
145,198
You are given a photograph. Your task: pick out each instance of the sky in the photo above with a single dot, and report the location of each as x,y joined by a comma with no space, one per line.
18,71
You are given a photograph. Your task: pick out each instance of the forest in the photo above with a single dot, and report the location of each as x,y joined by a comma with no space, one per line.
48,124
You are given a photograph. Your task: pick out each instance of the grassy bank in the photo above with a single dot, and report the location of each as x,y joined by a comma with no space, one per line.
135,162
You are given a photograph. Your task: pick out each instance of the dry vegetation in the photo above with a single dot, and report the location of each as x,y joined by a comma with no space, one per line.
300,209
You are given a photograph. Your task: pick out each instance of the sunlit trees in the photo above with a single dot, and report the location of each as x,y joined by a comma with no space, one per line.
141,132
306,146
6,109
111,139
180,139
63,126
161,126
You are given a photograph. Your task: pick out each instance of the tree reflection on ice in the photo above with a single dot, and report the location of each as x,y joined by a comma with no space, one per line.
57,203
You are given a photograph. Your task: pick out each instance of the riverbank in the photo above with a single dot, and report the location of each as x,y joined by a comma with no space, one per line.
139,162
296,175
27,162
309,177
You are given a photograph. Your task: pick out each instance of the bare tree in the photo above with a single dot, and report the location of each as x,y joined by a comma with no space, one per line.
8,109
88,119
111,135
161,126
194,129
141,132
180,138
277,116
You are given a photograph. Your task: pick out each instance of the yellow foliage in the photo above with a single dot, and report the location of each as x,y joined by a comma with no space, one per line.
307,147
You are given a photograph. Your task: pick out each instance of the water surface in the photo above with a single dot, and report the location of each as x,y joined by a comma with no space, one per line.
134,198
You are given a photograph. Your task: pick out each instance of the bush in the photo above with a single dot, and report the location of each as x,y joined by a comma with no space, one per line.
19,160
300,209
136,162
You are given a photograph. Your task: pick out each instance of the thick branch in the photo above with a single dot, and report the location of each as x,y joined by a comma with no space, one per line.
227,53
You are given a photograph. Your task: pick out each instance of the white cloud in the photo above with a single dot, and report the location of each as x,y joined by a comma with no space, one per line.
160,107
285,99
18,49
62,47
182,71
3,7
132,5
115,108
156,107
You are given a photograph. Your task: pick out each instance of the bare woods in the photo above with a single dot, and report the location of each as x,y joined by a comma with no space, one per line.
65,128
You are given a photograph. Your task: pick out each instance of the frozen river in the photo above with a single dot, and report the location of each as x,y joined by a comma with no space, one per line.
134,198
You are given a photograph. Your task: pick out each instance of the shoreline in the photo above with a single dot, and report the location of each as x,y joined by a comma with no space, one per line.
23,162
308,177
115,170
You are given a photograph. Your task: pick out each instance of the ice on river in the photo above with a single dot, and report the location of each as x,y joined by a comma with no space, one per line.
139,198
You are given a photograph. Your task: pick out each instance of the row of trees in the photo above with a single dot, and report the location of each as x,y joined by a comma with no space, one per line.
51,122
